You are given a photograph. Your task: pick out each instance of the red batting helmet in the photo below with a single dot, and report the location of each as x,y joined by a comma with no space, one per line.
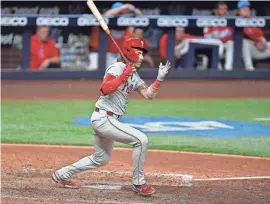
129,48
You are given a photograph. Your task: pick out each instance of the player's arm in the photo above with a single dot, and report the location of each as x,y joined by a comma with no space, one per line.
115,11
150,92
111,82
128,7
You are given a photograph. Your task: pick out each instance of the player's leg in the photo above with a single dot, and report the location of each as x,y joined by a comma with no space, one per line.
247,56
100,157
229,51
123,133
256,54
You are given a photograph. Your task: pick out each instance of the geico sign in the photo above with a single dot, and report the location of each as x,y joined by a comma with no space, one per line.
48,21
172,22
14,21
89,21
211,22
124,21
255,22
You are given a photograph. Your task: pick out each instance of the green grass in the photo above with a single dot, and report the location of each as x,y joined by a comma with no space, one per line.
51,123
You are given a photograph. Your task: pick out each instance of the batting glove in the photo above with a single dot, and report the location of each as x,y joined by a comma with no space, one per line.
126,73
163,70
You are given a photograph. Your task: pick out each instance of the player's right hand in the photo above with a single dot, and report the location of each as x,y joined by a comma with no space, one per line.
127,72
261,46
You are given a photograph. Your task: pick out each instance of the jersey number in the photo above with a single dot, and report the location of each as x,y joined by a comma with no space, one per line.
127,88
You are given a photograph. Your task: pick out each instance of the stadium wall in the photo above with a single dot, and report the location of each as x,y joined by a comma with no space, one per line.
174,74
193,21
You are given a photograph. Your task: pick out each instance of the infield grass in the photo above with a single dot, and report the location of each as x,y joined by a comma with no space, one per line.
50,122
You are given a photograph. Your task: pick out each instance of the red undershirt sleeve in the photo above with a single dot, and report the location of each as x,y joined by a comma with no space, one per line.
110,84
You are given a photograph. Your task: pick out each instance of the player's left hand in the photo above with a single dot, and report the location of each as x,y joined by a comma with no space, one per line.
45,64
261,46
163,70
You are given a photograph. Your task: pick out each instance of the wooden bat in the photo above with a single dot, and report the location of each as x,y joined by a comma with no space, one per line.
103,24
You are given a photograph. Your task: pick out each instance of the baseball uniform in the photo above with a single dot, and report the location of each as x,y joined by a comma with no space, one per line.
250,51
225,34
108,128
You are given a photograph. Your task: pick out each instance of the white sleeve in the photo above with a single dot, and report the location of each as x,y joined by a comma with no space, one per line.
182,48
115,70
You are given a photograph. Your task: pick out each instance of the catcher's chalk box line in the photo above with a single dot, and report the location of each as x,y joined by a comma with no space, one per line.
186,177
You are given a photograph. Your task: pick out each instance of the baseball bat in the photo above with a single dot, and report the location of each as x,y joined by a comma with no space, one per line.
103,24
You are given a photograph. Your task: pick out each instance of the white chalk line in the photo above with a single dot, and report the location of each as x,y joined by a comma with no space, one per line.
262,119
104,187
157,178
184,177
127,173
232,178
66,200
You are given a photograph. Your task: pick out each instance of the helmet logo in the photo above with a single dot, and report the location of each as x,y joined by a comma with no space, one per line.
142,43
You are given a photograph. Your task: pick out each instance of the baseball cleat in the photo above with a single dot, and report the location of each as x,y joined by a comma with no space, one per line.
64,183
145,189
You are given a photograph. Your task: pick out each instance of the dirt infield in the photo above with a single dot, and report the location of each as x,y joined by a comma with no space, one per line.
26,172
27,169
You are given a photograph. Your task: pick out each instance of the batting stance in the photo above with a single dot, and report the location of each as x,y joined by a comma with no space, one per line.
119,81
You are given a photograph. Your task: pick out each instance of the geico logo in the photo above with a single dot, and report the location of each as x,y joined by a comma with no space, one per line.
90,21
57,21
208,22
255,22
172,22
123,21
14,21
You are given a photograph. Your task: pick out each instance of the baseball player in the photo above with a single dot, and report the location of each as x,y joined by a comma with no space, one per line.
255,45
119,81
224,34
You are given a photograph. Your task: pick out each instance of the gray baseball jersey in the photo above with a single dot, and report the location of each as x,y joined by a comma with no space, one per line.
108,129
117,101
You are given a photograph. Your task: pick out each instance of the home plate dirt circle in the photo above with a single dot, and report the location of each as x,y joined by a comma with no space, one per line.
27,169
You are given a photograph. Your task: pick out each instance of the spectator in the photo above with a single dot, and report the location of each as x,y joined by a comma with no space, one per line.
43,50
255,45
139,33
225,34
119,34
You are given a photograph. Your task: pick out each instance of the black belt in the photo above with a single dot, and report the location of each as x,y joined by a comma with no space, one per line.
109,113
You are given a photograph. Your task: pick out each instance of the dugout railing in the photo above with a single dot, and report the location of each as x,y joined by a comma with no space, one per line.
166,23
